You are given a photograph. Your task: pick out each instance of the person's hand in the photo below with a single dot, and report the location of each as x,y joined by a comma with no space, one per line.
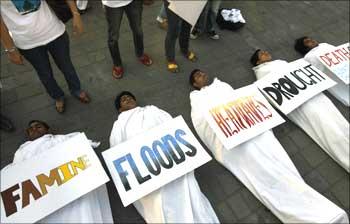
15,57
77,25
148,2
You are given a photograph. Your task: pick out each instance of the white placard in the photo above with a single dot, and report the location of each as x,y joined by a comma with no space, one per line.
337,61
154,158
291,86
187,9
241,116
37,187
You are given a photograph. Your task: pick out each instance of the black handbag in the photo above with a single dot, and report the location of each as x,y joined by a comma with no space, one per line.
61,9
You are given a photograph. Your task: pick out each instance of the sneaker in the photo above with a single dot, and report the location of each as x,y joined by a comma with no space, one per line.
213,35
194,34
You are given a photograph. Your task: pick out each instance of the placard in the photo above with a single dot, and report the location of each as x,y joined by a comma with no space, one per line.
37,187
337,61
289,87
188,10
154,158
241,116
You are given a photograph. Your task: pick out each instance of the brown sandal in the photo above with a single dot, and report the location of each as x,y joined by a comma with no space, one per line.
84,97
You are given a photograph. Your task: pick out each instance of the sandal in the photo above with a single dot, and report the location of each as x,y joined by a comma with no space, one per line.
59,105
145,60
84,97
173,67
117,72
191,56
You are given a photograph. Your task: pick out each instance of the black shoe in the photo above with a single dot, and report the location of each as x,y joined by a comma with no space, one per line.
213,35
6,124
194,34
81,12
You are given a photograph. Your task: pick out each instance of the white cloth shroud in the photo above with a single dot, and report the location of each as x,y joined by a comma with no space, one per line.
264,167
93,207
180,201
233,15
319,118
341,91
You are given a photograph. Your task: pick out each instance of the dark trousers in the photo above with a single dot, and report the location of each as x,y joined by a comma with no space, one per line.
59,50
114,18
177,28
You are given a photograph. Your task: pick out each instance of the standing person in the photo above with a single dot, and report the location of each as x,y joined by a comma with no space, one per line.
177,28
93,207
206,21
180,201
329,129
310,49
114,10
35,31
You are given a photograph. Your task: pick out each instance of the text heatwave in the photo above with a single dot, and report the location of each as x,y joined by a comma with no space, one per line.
240,116
37,187
154,158
288,88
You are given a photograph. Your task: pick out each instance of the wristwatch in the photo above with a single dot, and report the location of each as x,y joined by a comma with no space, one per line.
12,49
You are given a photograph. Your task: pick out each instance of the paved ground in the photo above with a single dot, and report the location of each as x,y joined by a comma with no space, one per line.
272,25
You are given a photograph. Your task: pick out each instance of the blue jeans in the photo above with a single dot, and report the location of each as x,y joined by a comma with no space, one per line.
177,28
114,18
207,18
59,50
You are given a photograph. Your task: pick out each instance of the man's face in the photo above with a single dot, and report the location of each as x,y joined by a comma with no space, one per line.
264,56
310,43
36,130
200,79
127,103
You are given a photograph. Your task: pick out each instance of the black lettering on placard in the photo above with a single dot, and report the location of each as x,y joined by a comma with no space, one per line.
304,86
276,96
289,86
284,93
301,79
309,67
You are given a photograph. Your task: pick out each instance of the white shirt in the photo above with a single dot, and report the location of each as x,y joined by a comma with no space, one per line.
116,3
33,29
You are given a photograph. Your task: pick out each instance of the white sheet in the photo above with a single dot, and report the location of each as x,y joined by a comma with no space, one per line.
180,201
320,119
341,91
93,207
263,166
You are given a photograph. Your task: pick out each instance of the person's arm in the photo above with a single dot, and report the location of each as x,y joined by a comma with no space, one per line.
7,42
77,23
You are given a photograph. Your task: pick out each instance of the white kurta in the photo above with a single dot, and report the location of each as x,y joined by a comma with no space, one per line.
93,207
180,201
264,167
341,91
320,119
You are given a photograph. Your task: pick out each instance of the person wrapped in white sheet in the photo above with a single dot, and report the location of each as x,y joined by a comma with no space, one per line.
93,207
310,49
261,164
318,117
180,201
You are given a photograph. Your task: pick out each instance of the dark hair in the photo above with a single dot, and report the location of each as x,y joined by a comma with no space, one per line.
119,96
38,121
255,58
192,75
300,47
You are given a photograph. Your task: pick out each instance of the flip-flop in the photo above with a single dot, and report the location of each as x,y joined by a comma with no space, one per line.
173,67
117,72
146,60
84,97
191,56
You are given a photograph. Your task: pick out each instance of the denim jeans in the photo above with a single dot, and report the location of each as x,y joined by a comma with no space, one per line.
177,28
207,18
59,50
114,18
